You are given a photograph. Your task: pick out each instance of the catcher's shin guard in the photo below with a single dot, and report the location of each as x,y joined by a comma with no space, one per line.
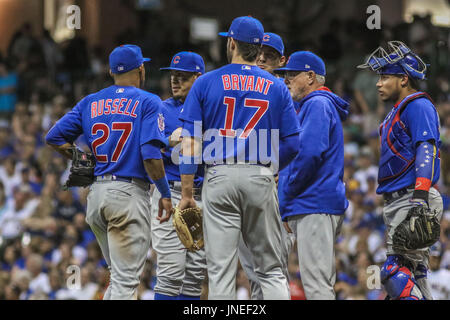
398,280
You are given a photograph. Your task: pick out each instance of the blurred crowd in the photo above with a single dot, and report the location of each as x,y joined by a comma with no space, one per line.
47,250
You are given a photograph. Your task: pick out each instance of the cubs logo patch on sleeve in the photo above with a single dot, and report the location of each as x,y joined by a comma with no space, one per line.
161,124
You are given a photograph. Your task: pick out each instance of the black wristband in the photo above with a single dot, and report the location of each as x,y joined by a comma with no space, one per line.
420,194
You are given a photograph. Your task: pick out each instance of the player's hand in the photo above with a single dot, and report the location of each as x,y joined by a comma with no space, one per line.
187,203
175,137
286,226
419,203
165,204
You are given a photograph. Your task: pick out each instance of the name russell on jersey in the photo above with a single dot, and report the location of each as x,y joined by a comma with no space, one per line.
114,106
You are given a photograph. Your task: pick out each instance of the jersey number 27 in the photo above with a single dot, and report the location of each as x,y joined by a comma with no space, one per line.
124,127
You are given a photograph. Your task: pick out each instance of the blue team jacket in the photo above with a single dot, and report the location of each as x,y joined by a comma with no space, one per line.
312,183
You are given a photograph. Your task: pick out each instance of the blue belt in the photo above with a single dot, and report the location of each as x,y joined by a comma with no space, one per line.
111,177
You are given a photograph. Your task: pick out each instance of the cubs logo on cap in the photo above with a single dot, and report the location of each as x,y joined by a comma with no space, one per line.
273,40
187,61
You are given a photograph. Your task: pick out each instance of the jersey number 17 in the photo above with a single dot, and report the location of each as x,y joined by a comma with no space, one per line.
230,103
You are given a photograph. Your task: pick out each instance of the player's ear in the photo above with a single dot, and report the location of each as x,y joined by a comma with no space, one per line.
404,81
311,77
282,61
232,43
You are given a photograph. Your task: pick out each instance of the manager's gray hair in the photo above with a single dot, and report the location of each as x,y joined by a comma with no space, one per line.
320,79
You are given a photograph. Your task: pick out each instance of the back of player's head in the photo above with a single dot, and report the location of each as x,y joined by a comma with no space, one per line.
245,29
249,52
125,58
248,34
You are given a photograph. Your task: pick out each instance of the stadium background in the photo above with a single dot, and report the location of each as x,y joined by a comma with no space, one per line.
46,67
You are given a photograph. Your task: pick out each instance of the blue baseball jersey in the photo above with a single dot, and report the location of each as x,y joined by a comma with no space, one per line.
243,112
419,122
171,110
115,121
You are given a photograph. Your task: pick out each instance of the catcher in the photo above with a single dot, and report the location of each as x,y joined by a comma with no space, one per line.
409,167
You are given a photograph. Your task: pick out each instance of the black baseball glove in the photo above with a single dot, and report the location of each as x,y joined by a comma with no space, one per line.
419,230
82,169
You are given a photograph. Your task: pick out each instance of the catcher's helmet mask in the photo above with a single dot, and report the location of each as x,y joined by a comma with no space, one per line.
401,60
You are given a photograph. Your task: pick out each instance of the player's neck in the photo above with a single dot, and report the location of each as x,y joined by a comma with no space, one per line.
239,60
405,92
312,88
127,82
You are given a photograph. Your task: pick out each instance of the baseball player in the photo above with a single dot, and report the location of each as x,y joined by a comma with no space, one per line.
271,57
311,190
179,272
124,127
234,108
409,163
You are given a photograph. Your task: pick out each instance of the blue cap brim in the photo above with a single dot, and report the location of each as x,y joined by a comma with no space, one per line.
178,69
223,34
273,47
286,69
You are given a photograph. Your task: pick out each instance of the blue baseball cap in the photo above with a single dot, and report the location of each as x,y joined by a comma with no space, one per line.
126,58
245,29
187,61
305,61
273,40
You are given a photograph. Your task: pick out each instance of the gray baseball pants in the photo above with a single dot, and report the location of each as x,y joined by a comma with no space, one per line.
394,212
119,215
242,199
246,259
178,270
316,235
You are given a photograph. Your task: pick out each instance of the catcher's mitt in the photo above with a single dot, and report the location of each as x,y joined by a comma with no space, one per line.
82,169
419,230
189,226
